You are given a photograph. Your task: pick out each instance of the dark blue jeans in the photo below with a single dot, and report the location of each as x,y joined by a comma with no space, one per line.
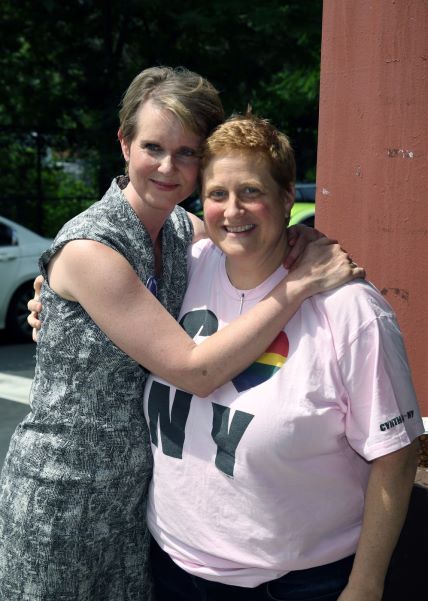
323,583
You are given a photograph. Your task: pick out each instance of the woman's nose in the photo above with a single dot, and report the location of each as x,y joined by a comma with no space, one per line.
232,207
166,164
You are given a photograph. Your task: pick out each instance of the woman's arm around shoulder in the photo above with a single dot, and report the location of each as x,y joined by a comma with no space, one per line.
105,284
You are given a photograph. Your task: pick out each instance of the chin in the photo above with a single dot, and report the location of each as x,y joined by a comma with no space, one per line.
165,203
237,253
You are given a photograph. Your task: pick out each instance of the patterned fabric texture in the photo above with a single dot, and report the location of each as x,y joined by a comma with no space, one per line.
74,483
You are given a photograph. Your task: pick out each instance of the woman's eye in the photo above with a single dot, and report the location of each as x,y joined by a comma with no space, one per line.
152,147
251,191
217,194
186,153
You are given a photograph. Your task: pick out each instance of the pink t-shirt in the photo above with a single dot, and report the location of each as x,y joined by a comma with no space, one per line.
269,473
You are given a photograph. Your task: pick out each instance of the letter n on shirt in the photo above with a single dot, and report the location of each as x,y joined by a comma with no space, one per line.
172,429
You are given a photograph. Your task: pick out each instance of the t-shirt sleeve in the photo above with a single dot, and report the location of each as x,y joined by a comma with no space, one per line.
383,414
194,253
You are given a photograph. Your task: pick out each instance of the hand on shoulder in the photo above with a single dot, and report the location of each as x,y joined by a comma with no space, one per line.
324,265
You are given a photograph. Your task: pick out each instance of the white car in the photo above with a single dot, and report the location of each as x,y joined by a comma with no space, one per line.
20,249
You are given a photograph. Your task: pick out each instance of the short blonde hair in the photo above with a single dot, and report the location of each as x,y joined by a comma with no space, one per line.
249,134
191,97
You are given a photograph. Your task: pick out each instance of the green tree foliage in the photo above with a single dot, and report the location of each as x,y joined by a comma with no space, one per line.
64,187
65,65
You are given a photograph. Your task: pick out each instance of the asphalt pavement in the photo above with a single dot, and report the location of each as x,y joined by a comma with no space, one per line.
16,372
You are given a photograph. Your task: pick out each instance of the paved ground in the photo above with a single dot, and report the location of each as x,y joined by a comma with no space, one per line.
11,414
16,373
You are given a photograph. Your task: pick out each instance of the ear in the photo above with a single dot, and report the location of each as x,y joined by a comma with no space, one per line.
124,145
288,199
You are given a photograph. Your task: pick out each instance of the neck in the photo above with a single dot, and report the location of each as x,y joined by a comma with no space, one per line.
152,219
247,272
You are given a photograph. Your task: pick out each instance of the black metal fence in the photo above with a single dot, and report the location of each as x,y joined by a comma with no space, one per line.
42,182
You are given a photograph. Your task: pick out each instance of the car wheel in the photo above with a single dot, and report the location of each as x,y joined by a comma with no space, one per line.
16,320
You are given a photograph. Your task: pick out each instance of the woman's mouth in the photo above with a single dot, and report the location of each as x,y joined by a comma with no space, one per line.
164,186
238,229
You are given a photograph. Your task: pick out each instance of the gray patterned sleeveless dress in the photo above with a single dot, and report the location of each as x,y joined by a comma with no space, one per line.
74,483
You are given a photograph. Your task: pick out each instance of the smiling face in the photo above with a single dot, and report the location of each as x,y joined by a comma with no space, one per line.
246,211
162,160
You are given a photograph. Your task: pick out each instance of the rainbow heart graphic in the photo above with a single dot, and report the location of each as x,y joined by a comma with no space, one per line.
266,366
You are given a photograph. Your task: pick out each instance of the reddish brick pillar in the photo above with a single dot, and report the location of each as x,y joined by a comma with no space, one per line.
372,178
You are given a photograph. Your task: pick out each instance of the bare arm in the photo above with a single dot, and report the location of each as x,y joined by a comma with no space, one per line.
82,271
198,227
299,236
390,484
